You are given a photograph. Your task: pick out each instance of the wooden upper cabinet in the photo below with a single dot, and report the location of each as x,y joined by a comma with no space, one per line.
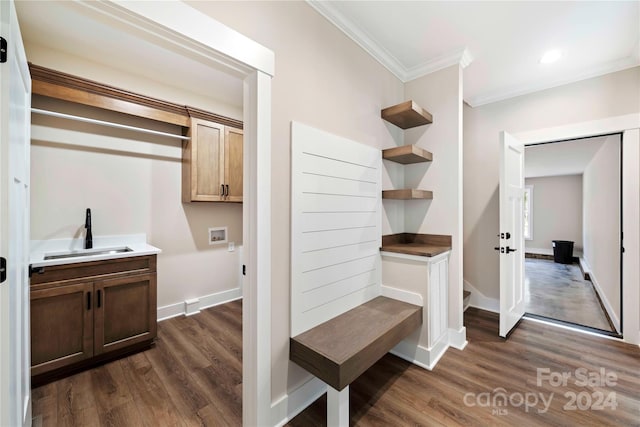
212,163
233,139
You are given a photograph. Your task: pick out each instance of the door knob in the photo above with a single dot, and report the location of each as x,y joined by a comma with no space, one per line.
510,250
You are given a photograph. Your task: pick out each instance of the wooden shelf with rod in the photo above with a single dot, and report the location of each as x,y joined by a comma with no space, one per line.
407,154
407,194
407,115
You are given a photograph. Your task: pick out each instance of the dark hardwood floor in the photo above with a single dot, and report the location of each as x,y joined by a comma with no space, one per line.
396,393
193,377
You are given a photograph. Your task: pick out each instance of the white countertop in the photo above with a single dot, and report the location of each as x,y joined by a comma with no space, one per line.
41,248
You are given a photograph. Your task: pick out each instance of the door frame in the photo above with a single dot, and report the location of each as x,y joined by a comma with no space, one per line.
187,31
629,126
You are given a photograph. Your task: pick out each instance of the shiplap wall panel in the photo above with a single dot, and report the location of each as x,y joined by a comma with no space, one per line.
314,223
326,276
335,226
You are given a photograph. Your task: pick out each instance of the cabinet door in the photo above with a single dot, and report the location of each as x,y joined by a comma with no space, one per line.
203,162
61,326
125,312
233,164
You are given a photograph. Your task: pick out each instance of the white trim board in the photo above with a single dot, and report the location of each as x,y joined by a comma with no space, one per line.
603,297
296,401
479,300
203,302
424,357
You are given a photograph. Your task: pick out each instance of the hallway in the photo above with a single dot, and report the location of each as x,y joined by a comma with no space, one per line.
558,291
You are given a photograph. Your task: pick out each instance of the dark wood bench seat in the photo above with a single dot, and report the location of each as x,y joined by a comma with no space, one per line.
340,350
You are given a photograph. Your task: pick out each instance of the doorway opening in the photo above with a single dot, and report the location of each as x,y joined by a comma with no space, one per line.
573,232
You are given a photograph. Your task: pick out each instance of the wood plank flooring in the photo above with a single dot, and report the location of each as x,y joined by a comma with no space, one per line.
193,377
559,291
396,393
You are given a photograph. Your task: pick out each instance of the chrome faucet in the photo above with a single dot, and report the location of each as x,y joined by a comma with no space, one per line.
88,238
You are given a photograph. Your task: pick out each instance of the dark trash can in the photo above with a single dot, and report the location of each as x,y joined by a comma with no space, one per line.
562,251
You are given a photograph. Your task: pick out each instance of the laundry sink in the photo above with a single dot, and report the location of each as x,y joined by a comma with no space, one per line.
88,252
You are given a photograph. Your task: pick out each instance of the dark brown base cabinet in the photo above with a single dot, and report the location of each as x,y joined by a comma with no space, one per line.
87,312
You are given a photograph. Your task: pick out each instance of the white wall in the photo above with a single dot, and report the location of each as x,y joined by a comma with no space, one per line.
606,96
557,211
132,184
602,221
440,93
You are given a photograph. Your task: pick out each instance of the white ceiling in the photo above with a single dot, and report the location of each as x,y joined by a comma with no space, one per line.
561,158
67,27
503,41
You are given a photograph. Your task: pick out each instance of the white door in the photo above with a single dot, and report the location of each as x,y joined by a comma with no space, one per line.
15,124
511,235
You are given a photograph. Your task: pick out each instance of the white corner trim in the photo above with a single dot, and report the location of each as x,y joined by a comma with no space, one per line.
197,304
461,56
458,339
288,406
605,301
402,295
479,300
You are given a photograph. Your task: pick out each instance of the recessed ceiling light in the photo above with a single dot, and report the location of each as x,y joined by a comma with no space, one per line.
551,56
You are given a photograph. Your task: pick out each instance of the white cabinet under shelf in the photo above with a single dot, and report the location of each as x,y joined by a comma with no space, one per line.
429,278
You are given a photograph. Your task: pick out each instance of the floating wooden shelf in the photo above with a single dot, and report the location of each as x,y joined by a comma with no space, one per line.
407,115
407,194
428,245
407,154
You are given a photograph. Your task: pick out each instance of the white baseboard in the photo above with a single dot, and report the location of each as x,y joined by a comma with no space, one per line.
426,358
479,300
290,405
607,304
458,339
402,295
180,308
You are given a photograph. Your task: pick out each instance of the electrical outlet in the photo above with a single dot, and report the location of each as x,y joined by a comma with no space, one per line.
232,246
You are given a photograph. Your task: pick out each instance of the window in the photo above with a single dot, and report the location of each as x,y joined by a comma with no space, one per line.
528,212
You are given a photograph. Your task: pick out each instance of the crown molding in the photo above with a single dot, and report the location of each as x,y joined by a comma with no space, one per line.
362,39
512,92
462,57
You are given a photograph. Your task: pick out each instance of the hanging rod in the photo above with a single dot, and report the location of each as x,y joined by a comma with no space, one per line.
108,124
